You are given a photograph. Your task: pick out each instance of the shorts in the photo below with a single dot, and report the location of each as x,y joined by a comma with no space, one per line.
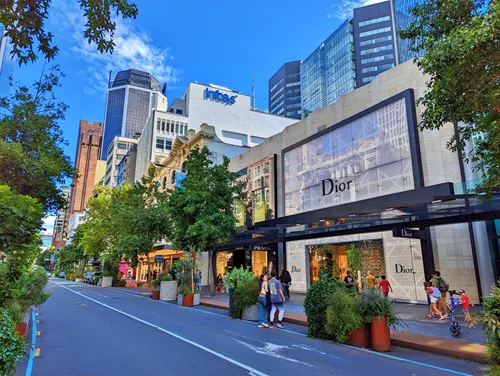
434,299
386,294
466,310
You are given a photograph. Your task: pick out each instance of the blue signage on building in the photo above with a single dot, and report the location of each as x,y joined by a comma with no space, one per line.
220,97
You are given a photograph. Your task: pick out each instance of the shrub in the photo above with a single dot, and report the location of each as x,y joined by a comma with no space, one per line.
342,316
165,277
491,319
155,284
236,276
245,294
185,290
12,348
16,311
316,303
372,304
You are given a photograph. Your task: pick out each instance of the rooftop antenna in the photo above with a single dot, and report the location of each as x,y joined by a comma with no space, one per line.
253,89
109,78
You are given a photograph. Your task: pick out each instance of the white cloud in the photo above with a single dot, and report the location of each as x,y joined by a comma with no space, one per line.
134,49
48,225
343,11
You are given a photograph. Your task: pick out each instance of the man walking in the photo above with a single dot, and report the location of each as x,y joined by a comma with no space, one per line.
277,299
443,287
349,281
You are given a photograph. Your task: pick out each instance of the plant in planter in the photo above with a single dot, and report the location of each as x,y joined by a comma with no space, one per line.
17,314
188,296
342,316
233,279
245,295
155,284
168,287
12,349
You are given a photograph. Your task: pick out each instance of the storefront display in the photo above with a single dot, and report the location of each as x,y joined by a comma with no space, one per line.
261,259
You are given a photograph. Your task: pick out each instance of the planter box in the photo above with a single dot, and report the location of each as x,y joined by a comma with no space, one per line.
80,280
360,337
250,313
99,282
168,290
21,328
180,299
188,300
155,295
196,300
107,281
381,335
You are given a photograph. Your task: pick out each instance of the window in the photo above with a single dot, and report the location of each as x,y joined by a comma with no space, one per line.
294,98
277,93
377,58
376,49
293,84
168,145
376,40
374,20
295,105
122,146
176,127
278,100
373,32
163,125
368,79
280,111
160,143
273,109
277,84
378,68
168,126
185,128
178,111
158,123
293,91
164,184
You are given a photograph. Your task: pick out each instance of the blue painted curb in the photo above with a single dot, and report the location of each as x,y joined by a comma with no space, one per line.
29,368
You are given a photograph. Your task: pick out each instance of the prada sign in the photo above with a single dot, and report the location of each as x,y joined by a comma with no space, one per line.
330,185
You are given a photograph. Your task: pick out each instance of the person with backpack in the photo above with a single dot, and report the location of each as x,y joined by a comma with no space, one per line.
434,294
443,287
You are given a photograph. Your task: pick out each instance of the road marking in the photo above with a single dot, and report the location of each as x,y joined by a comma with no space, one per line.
253,371
29,367
397,358
37,352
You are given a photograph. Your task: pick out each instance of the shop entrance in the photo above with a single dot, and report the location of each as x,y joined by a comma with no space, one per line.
259,261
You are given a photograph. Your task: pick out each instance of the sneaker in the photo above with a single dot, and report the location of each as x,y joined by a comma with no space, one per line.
446,316
260,326
279,325
265,325
271,326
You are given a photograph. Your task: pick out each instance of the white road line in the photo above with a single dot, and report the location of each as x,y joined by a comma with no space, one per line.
252,370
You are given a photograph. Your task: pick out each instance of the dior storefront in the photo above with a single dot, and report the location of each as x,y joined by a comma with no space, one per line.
365,158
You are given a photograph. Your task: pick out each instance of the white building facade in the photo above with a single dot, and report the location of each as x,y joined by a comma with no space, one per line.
116,152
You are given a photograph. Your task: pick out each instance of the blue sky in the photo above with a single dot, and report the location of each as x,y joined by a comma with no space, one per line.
181,41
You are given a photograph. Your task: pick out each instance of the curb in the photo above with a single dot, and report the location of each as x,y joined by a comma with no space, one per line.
144,294
473,352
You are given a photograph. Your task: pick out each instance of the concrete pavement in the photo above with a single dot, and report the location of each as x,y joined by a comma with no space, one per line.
87,330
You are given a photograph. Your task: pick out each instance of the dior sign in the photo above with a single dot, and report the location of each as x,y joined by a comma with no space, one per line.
330,185
403,269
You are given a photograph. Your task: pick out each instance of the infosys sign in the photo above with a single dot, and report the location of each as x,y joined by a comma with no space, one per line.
219,97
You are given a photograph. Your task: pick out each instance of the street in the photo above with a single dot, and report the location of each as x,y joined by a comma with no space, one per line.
88,330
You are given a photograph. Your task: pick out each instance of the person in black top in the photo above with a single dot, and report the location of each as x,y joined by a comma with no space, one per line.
286,281
349,281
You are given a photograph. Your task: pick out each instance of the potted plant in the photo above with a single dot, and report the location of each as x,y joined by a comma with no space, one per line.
155,284
180,296
168,287
188,297
231,280
17,314
79,273
344,322
245,297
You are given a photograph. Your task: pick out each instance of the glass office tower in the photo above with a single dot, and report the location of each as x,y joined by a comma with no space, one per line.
7,64
402,19
129,103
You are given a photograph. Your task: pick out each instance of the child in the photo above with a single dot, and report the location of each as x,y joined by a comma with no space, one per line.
385,286
466,304
434,295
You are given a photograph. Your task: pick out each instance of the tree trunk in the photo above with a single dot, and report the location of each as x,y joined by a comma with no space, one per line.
211,271
194,261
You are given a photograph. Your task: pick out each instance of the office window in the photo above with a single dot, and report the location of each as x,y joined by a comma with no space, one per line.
368,79
122,146
163,125
158,124
376,49
377,58
293,84
295,105
278,100
277,84
185,128
293,91
160,143
178,111
378,68
375,40
293,75
168,145
277,93
280,111
374,20
373,32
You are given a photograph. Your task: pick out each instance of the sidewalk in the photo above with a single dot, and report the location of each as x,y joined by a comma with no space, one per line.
420,334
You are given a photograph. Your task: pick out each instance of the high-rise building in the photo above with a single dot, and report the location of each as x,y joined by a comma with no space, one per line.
88,151
130,99
7,63
329,71
284,91
374,43
60,225
116,152
402,19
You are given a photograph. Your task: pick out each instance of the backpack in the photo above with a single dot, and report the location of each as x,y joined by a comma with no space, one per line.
443,286
437,293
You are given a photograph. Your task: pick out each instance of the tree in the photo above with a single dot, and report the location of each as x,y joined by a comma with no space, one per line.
24,22
139,218
201,208
72,254
32,161
461,44
20,221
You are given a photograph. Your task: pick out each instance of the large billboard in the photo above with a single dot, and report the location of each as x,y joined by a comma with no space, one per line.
368,157
257,202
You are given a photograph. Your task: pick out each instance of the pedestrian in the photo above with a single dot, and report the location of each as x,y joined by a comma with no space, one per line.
197,277
385,286
443,287
370,280
286,281
155,273
349,281
263,313
277,299
466,304
434,294
219,284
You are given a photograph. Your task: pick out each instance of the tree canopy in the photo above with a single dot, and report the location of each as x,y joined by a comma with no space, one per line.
32,161
24,22
460,43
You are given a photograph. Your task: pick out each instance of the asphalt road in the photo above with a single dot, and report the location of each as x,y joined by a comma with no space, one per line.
87,330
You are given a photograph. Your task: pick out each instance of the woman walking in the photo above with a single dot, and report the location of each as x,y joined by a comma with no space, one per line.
434,295
263,314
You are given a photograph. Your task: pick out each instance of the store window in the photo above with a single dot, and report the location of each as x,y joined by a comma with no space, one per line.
224,262
259,262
